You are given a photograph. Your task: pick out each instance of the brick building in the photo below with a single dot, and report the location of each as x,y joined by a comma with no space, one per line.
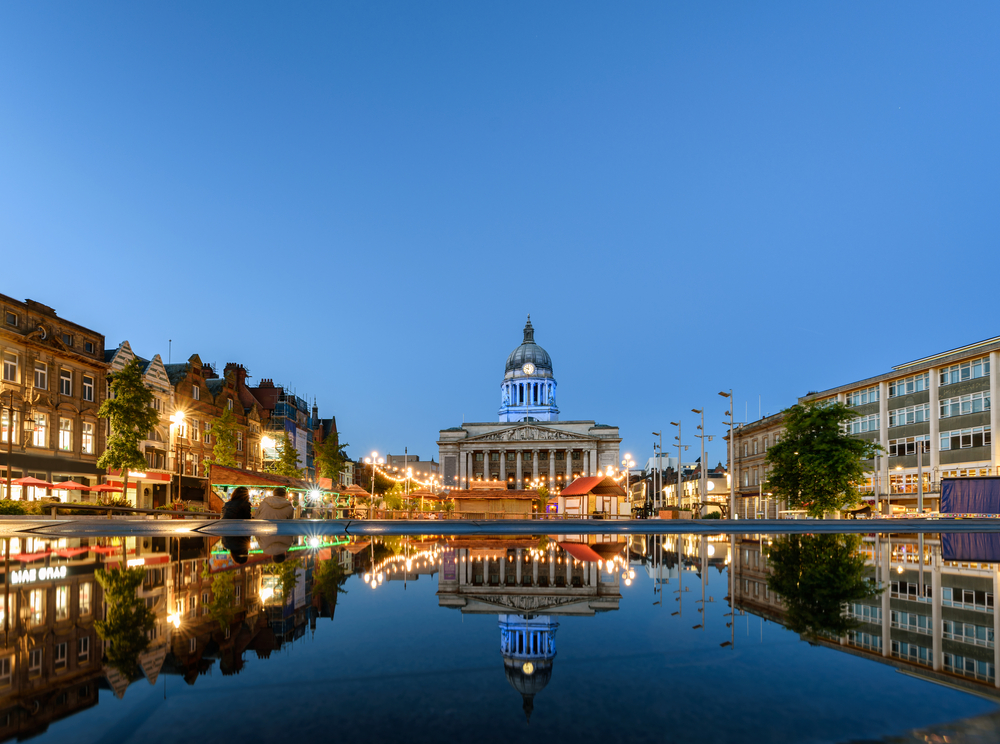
52,384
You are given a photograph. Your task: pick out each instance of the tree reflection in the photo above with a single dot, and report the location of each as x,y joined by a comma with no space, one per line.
127,621
816,576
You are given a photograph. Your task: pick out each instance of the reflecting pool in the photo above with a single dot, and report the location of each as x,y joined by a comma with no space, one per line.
800,638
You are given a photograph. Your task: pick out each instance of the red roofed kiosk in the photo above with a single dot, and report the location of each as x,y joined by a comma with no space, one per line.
597,494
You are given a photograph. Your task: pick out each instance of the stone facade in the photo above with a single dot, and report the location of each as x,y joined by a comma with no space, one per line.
53,374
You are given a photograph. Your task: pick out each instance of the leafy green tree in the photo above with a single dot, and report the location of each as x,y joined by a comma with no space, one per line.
287,573
127,620
543,499
224,434
130,411
816,576
221,608
288,460
815,465
329,579
331,456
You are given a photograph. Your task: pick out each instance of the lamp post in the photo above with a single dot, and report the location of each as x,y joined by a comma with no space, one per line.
732,445
26,427
659,466
177,418
628,463
374,460
703,481
680,471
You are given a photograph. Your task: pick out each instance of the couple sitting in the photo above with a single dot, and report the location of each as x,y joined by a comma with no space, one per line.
275,506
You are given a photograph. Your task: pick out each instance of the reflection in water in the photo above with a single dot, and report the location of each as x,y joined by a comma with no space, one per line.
88,614
816,577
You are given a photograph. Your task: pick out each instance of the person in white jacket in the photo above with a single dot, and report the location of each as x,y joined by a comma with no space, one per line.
275,506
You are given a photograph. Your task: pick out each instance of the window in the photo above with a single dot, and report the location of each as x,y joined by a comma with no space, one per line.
5,425
88,388
744,449
861,397
65,382
977,635
965,371
35,662
968,599
205,436
196,392
156,405
973,403
83,650
194,463
910,415
88,346
229,404
192,645
39,437
858,425
911,621
909,385
755,446
967,667
41,376
67,339
87,438
977,436
11,318
85,597
60,661
194,431
62,602
911,652
10,367
239,592
6,667
36,607
239,443
65,434
909,445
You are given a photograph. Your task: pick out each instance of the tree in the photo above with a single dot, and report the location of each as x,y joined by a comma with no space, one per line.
130,411
127,620
224,433
331,456
328,580
221,607
816,465
543,499
816,576
287,463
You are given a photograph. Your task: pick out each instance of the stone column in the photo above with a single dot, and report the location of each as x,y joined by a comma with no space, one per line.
534,572
552,469
995,423
937,631
552,570
584,464
883,436
935,426
534,464
569,466
569,570
503,570
503,467
595,573
461,566
886,559
595,463
519,464
462,470
518,558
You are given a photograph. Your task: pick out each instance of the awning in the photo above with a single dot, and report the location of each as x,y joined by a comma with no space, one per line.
581,552
105,549
70,552
70,485
29,557
29,481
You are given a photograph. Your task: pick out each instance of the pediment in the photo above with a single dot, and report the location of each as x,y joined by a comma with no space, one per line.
530,433
520,603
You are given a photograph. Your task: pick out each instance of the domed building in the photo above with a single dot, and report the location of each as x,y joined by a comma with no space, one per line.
528,390
528,646
529,447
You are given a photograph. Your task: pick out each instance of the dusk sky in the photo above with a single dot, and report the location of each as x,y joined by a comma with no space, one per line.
364,200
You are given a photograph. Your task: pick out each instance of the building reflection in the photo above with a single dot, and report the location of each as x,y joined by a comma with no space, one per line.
528,583
932,614
207,609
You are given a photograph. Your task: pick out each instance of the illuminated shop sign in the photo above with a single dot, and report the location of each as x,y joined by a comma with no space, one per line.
30,575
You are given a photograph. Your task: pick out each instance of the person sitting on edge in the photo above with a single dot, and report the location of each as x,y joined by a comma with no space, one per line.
275,506
238,506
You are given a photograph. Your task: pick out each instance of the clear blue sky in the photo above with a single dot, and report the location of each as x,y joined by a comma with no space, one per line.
365,199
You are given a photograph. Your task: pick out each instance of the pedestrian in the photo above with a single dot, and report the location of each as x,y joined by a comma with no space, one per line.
275,506
238,506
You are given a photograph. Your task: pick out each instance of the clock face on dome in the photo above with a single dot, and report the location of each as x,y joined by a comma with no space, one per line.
528,369
528,668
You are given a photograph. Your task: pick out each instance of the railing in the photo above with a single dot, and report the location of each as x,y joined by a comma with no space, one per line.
109,510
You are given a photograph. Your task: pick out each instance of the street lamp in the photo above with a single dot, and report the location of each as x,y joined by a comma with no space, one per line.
177,419
703,481
627,463
266,443
680,453
732,475
374,460
659,464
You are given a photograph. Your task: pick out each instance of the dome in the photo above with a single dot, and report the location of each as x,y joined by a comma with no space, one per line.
529,351
528,684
